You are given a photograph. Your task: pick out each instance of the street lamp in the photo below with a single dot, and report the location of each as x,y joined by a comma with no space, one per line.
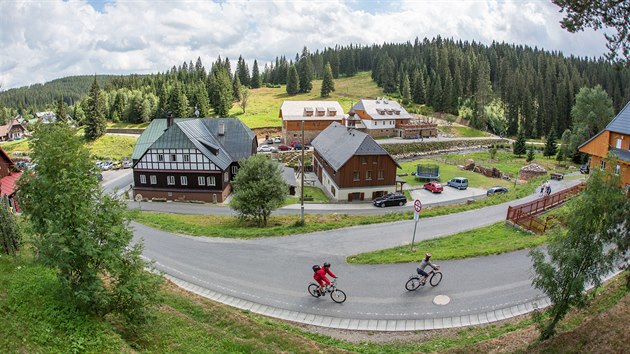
302,177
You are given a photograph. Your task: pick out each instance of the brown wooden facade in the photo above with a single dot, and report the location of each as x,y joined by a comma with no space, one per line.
598,148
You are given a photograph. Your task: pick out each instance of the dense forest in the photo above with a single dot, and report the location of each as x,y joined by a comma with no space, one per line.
502,87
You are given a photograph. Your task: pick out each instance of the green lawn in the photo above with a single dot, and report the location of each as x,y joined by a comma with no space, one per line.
464,132
17,145
264,103
494,239
125,125
448,171
317,195
112,146
506,161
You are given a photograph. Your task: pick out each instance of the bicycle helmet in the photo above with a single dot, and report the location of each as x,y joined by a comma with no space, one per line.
326,265
428,255
316,268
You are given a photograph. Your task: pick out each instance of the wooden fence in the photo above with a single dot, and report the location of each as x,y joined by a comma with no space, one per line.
525,215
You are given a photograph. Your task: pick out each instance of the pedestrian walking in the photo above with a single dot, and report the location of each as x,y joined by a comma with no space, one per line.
542,189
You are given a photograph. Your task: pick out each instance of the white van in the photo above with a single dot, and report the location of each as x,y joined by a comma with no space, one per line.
458,182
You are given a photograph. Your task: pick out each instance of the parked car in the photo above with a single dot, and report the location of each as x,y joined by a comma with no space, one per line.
116,165
126,164
266,148
458,182
283,147
106,166
269,141
434,187
298,146
585,169
277,140
390,199
496,190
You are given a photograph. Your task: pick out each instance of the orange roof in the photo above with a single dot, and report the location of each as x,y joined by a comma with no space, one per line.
8,183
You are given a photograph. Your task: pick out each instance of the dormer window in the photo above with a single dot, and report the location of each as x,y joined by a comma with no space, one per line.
332,112
320,111
308,111
397,112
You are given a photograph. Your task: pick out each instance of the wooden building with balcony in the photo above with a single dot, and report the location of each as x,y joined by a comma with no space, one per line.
316,115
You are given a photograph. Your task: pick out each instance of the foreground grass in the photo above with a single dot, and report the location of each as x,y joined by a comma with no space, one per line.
34,318
493,239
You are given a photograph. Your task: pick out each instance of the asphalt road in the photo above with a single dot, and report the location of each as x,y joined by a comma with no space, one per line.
276,271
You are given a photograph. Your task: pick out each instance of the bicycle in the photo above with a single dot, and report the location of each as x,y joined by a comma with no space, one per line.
336,295
415,281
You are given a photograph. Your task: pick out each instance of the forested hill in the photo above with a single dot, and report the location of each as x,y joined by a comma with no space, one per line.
41,96
499,87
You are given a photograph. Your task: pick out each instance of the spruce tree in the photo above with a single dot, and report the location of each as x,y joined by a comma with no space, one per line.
256,79
550,145
236,88
530,154
95,116
305,71
405,89
519,145
292,81
220,91
60,111
328,85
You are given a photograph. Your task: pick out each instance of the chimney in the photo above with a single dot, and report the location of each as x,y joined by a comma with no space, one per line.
169,119
221,128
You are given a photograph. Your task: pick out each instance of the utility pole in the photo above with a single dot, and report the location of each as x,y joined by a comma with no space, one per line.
302,177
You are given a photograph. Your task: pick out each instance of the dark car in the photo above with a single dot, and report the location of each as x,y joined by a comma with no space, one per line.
585,169
283,147
496,190
390,199
434,187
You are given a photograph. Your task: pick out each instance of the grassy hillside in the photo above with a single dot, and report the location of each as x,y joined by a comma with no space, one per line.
264,103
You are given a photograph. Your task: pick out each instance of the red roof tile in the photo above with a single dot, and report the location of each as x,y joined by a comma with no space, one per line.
8,183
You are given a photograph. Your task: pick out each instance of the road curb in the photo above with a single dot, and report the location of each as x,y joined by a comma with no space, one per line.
378,325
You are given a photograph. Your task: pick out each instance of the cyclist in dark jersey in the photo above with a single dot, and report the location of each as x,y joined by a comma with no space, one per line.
426,263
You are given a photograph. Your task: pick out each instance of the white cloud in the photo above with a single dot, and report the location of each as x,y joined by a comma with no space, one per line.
44,40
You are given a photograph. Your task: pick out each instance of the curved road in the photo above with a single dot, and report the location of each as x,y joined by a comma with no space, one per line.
270,275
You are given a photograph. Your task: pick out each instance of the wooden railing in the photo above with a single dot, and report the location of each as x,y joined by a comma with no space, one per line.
525,214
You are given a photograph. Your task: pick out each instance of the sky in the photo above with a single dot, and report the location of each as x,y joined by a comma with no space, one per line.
42,40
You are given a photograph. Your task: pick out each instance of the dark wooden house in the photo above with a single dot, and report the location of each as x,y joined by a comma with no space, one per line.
190,159
351,165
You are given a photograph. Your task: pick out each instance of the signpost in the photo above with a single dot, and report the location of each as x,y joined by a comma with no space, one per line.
417,206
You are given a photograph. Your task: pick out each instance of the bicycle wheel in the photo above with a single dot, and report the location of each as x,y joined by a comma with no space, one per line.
312,289
338,296
412,284
436,278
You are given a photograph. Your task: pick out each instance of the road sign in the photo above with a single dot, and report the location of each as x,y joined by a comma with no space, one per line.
417,206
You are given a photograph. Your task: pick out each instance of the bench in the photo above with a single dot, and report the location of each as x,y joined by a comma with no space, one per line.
557,176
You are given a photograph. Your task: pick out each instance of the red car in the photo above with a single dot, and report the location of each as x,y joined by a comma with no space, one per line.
284,147
434,186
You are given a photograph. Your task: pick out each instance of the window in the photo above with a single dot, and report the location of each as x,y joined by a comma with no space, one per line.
368,175
381,174
186,158
211,181
355,176
184,180
234,169
374,160
618,145
170,180
153,180
363,160
226,176
333,191
602,165
617,168
160,157
201,180
143,179
173,158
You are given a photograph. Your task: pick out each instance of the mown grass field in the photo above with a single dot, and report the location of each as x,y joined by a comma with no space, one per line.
35,318
464,132
115,147
494,239
264,103
311,195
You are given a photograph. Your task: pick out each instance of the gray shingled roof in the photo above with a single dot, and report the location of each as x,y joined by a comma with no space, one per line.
371,107
623,155
621,123
337,144
202,134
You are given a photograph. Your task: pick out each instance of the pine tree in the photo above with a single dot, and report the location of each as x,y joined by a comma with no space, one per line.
236,88
405,89
256,79
242,71
60,112
95,118
293,81
328,84
178,102
220,91
520,147
530,154
550,145
305,69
